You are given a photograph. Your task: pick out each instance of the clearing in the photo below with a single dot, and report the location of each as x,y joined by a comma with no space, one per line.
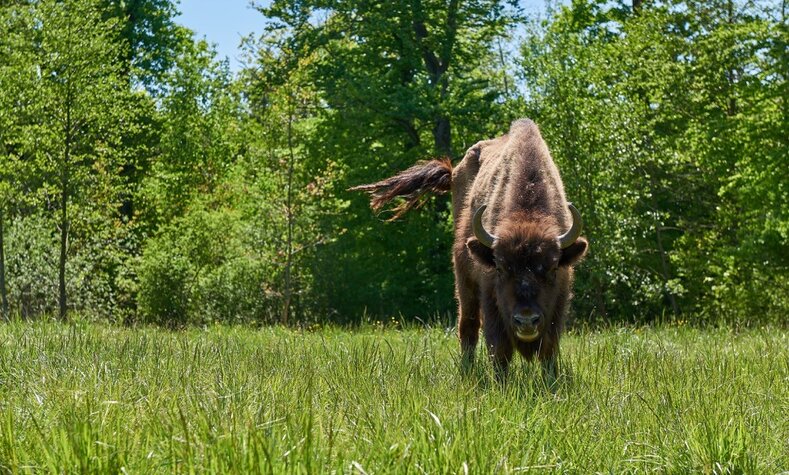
96,398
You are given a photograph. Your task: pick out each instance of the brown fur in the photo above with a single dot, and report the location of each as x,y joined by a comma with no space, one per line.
412,184
525,271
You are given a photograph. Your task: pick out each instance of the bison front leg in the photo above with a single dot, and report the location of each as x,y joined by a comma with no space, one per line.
468,330
549,371
500,347
548,356
467,294
468,326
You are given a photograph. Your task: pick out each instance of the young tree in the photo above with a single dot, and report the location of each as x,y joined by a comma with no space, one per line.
292,197
6,123
79,111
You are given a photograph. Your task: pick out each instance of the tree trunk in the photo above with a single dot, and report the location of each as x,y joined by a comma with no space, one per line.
412,135
442,134
64,222
437,65
129,23
731,73
504,67
3,294
64,225
664,266
289,211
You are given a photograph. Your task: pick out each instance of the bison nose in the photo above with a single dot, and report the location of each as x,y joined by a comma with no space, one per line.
531,320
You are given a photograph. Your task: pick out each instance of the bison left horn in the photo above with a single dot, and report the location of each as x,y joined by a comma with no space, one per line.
479,230
567,239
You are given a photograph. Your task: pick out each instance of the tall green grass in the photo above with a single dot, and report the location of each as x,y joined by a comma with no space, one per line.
101,399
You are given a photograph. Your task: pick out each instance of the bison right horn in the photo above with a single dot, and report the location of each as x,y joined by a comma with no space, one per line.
567,239
479,230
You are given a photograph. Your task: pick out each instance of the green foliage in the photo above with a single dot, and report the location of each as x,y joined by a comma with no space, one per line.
144,180
195,136
31,246
64,145
201,269
393,83
666,124
150,36
668,400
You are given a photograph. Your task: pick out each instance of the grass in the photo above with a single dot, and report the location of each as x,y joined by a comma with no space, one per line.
101,399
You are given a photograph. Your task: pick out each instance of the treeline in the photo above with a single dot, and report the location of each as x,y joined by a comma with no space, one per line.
140,180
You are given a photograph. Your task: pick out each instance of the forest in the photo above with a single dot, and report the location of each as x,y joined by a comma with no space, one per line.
141,180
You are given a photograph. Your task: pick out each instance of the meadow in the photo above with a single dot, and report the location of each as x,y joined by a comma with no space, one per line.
90,398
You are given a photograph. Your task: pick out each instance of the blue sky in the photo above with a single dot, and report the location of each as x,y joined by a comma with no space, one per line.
224,22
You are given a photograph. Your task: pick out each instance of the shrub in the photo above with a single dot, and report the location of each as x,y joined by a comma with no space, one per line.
32,252
200,269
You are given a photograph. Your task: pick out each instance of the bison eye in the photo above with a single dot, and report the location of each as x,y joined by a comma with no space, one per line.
502,268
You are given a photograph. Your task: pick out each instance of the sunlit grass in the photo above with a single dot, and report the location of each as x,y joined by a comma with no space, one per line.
90,398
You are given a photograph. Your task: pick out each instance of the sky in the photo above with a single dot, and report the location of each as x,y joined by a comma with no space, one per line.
224,22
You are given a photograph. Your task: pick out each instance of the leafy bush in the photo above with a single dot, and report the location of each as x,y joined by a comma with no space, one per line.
164,282
32,253
199,270
31,266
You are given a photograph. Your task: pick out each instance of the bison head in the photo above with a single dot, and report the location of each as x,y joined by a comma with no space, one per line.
531,259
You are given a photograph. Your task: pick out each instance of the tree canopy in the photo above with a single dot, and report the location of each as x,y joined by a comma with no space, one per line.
142,180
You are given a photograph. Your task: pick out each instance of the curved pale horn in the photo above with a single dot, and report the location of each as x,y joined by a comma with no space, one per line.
567,239
479,230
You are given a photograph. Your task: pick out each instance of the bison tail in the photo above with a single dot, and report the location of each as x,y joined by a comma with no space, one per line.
412,185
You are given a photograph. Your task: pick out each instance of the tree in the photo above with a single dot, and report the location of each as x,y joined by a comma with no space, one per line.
395,82
649,113
6,123
79,112
150,37
151,42
738,130
197,116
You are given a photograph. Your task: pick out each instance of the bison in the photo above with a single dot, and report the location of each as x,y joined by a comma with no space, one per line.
516,242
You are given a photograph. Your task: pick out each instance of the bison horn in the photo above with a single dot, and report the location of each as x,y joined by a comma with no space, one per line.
567,239
479,231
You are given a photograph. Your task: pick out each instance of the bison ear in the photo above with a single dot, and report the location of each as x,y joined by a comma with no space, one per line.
482,253
574,252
